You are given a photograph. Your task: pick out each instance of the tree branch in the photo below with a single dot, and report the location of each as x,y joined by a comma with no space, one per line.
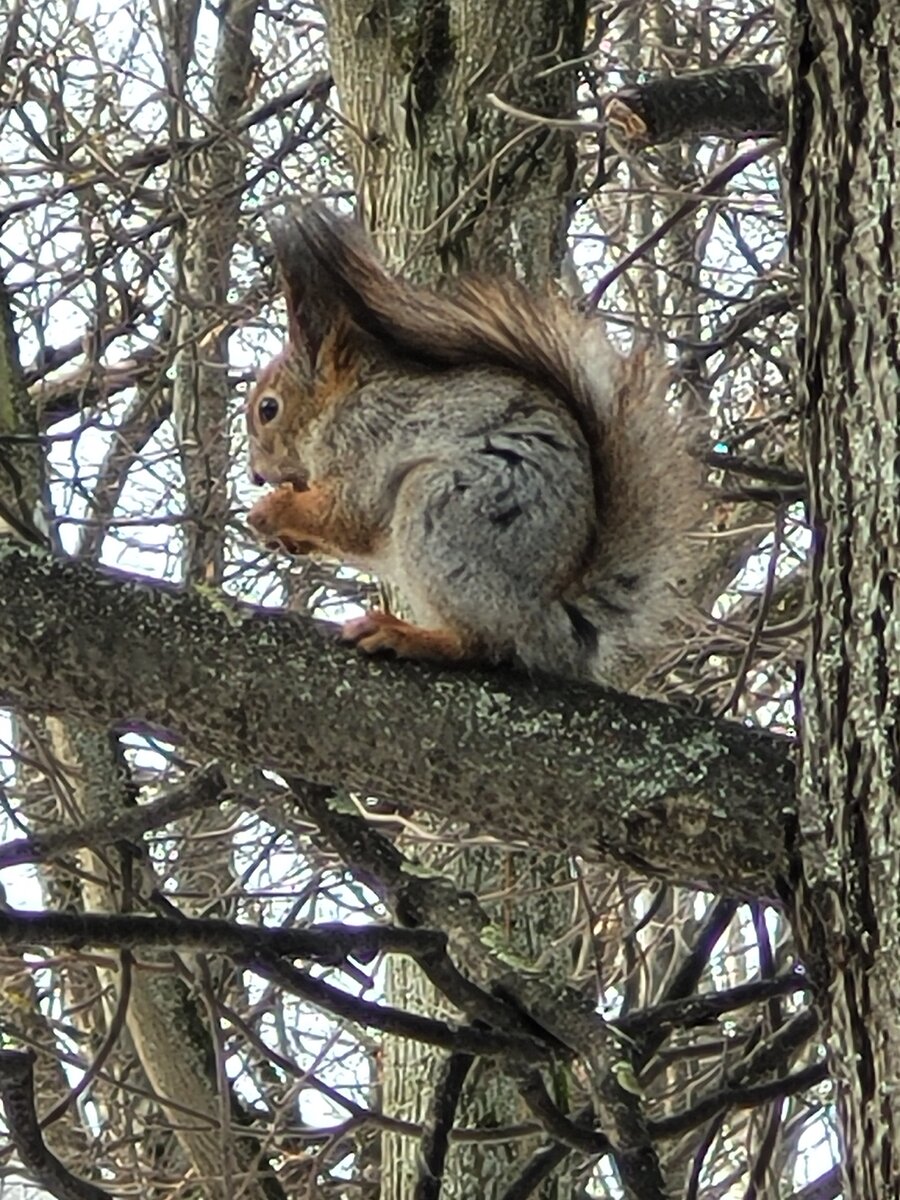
728,102
705,1007
330,943
204,789
454,1037
439,1125
557,766
826,1187
315,89
17,1097
730,1097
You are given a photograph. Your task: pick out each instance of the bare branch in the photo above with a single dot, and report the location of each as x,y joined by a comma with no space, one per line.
704,1008
203,790
315,89
455,1038
826,1187
711,187
17,1097
739,1097
328,943
439,1126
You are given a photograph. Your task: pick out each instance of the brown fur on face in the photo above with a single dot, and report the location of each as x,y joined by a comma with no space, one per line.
303,391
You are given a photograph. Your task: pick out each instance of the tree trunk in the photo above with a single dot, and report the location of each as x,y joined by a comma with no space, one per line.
845,201
446,181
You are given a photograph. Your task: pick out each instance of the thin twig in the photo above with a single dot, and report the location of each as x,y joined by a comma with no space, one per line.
707,190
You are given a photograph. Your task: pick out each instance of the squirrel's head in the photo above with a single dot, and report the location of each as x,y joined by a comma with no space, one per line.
290,394
277,412
321,361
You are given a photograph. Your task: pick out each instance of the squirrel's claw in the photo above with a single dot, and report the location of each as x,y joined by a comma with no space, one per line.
377,632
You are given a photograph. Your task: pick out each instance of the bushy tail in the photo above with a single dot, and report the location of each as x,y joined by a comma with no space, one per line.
477,321
646,484
643,557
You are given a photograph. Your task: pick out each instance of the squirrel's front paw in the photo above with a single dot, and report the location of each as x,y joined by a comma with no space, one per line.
274,520
376,632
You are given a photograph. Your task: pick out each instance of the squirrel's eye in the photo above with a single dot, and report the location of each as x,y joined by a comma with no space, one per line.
268,409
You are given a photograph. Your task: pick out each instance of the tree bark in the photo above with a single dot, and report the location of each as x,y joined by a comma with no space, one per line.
727,102
573,767
22,484
444,179
845,201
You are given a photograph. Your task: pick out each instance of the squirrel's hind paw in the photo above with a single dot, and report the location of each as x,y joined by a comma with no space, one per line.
376,632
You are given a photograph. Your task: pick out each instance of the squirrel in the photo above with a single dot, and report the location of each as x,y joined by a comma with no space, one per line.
483,449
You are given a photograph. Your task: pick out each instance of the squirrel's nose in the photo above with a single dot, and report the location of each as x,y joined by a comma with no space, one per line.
297,480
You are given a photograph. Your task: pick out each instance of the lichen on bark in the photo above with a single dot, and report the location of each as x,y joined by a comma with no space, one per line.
557,766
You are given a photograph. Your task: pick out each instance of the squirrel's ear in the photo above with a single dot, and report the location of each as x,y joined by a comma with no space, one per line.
316,314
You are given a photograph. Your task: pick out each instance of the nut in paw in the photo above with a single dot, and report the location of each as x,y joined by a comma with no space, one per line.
272,513
274,520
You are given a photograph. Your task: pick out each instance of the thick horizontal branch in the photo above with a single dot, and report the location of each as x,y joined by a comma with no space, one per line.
325,943
729,102
556,766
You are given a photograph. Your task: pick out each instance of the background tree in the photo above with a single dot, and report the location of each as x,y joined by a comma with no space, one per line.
844,227
613,1022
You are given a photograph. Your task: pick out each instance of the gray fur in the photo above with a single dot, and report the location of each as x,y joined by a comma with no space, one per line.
538,512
